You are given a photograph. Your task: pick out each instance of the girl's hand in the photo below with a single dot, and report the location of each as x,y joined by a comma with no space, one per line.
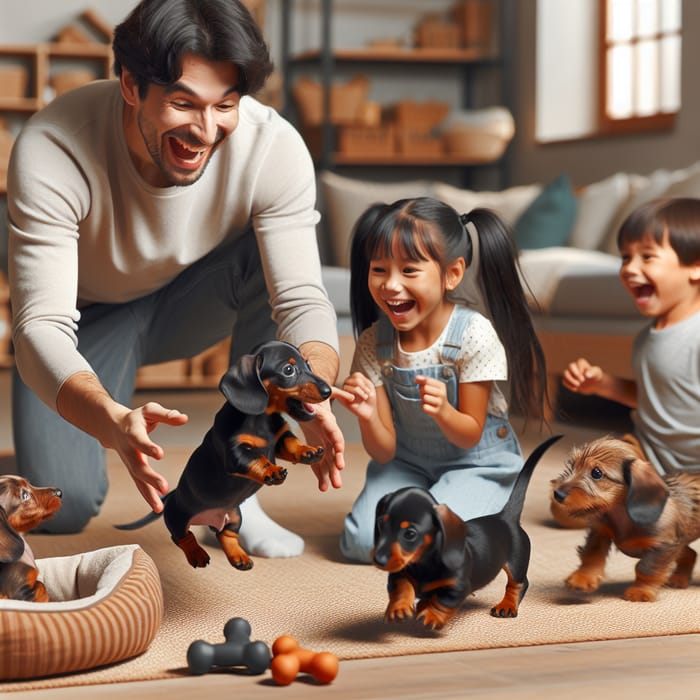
364,393
582,377
433,394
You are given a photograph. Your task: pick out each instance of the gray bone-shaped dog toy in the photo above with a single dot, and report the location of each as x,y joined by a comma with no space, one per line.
236,652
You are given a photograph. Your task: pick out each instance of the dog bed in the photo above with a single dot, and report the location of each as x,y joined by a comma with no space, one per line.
106,606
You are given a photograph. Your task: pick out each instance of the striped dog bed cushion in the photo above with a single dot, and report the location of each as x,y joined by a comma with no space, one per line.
106,606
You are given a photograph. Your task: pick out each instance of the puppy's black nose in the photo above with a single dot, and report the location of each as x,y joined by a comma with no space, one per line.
58,493
380,558
559,495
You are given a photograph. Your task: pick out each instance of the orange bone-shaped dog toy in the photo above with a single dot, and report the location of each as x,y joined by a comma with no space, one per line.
289,659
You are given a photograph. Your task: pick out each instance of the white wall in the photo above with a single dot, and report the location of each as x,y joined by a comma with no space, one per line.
566,64
29,21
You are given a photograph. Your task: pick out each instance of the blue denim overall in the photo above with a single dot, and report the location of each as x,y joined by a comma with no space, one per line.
472,482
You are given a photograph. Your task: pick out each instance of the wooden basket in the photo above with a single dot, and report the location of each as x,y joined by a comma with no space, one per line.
436,33
474,144
474,19
367,141
13,81
418,143
347,101
418,116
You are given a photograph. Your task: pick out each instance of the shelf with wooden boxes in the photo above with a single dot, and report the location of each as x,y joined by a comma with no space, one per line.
468,42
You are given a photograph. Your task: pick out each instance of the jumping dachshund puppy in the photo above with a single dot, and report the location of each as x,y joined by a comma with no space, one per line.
236,456
624,500
22,508
435,556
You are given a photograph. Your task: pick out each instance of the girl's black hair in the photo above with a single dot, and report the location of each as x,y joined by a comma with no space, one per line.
426,224
680,217
152,40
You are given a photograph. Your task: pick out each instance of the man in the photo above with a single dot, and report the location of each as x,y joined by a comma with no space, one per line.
150,216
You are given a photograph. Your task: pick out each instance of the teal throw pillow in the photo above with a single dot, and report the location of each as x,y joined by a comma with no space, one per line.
549,219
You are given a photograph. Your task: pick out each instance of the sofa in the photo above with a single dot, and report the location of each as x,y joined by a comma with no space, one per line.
566,238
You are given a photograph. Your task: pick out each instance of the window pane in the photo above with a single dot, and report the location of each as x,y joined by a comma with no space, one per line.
647,18
670,88
647,79
620,20
671,15
619,97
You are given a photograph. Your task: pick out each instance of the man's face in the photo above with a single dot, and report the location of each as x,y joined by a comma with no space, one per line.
173,131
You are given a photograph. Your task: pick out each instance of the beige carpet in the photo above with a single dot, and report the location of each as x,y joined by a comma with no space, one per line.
331,605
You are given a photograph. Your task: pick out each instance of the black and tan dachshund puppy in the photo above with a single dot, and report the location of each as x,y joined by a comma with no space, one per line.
22,508
236,456
433,555
624,501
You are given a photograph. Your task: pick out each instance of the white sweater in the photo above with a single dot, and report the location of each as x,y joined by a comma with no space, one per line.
85,227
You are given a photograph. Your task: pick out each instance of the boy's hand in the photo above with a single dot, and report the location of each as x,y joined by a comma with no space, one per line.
582,377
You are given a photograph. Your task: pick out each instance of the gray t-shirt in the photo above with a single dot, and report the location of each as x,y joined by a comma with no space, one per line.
667,369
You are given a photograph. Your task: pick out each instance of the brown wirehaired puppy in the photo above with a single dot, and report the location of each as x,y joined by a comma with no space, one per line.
625,501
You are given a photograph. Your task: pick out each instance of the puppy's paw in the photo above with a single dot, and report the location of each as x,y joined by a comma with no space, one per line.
434,615
311,455
678,580
640,594
582,580
399,611
274,476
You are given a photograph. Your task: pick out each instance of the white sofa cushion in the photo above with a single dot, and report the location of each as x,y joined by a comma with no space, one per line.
509,204
598,207
346,199
568,282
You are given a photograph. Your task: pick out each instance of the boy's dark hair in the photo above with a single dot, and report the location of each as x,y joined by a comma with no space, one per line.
152,40
413,225
679,216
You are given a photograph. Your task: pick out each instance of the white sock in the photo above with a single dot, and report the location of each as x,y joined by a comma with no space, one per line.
263,537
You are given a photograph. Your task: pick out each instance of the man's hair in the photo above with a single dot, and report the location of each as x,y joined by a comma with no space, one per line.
151,41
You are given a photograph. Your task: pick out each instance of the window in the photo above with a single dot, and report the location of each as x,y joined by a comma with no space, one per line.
640,64
606,67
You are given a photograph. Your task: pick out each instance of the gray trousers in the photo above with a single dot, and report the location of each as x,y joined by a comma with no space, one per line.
222,294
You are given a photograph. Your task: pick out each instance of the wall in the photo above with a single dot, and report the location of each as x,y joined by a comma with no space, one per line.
592,159
585,161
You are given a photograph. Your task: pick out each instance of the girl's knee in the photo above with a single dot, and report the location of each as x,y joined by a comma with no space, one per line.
356,542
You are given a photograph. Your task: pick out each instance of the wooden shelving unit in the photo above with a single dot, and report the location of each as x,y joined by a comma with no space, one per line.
466,63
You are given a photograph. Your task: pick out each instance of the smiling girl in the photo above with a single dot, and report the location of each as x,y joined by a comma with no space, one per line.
425,371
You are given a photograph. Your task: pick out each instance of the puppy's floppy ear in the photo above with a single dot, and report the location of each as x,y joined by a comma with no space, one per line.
242,386
11,543
647,492
380,511
453,532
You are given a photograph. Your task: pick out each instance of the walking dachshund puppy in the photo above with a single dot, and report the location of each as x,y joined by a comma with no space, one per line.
435,556
237,454
624,500
22,508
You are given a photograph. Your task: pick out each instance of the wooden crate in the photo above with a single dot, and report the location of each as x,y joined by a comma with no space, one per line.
366,140
418,143
436,33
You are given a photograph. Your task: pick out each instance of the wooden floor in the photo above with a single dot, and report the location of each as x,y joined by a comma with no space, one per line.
659,667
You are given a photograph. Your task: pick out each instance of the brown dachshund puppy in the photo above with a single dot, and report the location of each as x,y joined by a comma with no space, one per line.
22,508
435,556
237,454
625,501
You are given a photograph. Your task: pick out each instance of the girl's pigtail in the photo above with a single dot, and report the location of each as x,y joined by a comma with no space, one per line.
502,290
362,307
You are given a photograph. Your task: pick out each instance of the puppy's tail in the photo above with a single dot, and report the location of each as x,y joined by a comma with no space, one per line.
148,518
516,500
